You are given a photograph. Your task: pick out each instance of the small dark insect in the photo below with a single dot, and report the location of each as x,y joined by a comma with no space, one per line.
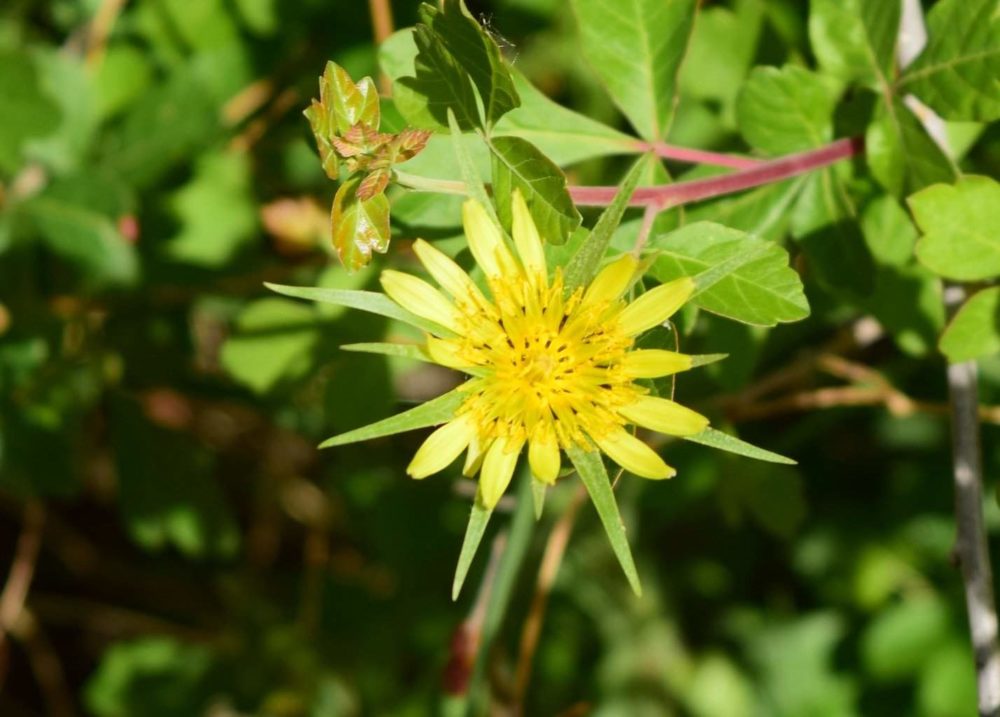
507,48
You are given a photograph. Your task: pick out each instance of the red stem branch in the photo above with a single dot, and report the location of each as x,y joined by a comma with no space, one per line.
672,195
697,156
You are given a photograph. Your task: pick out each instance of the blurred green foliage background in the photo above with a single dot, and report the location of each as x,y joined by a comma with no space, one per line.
159,411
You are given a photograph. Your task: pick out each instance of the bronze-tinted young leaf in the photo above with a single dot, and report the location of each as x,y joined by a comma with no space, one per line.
320,124
346,148
346,103
374,183
359,226
409,143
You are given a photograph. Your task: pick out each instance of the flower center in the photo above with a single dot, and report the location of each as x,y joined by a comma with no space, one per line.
548,365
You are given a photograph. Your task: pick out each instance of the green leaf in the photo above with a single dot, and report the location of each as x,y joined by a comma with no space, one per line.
359,226
369,301
152,676
764,291
64,77
722,51
724,442
904,636
74,225
167,490
122,76
907,301
787,109
961,228
440,83
888,231
900,153
431,413
763,212
518,164
564,136
583,266
957,73
216,209
590,468
26,110
855,39
477,53
771,495
273,341
636,48
824,223
974,332
174,119
478,520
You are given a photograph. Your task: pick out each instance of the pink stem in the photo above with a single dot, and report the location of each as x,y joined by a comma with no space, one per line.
672,195
697,156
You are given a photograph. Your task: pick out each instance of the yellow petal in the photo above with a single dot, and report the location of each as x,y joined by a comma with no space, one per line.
526,239
543,457
420,298
442,447
485,241
446,352
664,416
447,273
474,456
498,469
655,306
653,363
612,281
633,455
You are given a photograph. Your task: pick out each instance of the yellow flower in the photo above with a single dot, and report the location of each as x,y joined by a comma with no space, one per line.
550,370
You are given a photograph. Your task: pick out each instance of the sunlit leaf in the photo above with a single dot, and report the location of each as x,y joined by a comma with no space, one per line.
974,332
961,228
517,164
787,109
636,48
856,39
957,72
764,290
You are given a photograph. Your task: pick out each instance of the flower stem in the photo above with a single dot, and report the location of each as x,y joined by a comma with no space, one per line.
672,195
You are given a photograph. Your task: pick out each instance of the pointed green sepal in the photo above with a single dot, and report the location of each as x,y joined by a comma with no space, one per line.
705,359
590,468
582,267
538,491
725,442
432,413
478,520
